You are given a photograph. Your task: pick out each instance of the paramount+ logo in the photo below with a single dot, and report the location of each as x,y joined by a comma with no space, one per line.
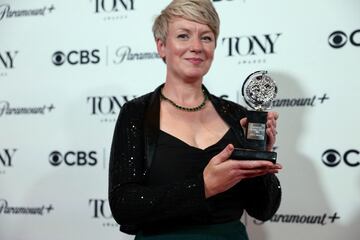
334,158
76,57
73,158
310,219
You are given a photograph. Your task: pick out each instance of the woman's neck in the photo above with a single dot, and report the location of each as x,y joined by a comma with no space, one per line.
181,92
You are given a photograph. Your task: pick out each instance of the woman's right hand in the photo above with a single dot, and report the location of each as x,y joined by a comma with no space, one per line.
222,173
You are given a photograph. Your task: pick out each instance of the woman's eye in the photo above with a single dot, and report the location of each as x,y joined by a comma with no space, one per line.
183,36
207,38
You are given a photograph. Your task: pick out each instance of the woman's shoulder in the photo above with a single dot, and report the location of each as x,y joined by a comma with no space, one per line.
141,101
137,108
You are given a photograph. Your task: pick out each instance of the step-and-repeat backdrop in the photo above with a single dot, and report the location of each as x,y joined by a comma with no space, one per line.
67,67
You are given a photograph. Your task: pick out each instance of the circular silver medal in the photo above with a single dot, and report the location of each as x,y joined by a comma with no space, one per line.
259,90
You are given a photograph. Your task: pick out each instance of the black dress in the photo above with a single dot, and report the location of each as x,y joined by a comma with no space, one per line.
137,206
176,161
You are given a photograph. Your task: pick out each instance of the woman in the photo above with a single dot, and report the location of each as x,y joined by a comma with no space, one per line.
170,172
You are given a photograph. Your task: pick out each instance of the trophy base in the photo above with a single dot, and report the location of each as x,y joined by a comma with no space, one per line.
248,154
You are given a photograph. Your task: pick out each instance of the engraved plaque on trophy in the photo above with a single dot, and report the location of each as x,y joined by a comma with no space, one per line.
258,90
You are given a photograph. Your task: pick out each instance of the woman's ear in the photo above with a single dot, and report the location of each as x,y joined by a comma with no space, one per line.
160,45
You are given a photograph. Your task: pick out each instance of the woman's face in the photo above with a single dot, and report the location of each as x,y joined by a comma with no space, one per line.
188,50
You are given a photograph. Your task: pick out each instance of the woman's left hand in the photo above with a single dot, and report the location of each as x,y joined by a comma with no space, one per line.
270,128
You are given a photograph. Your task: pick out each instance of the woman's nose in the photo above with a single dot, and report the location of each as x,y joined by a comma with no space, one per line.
196,45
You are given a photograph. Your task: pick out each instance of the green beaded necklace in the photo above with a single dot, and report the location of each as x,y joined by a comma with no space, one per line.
187,109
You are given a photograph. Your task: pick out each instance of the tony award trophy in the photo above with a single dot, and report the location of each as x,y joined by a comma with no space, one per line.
258,90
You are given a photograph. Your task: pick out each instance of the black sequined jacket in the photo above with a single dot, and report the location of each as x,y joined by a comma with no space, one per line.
135,205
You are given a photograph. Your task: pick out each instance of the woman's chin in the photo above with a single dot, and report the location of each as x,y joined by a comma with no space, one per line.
195,75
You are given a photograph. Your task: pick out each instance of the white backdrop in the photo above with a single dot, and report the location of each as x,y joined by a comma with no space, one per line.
66,68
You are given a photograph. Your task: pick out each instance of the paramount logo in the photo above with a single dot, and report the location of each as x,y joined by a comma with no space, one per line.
296,102
300,102
11,210
321,219
7,12
6,109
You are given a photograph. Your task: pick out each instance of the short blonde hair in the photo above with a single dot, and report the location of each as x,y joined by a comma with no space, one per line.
201,11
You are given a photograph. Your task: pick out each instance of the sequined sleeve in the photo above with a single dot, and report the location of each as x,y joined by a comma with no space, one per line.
131,201
263,196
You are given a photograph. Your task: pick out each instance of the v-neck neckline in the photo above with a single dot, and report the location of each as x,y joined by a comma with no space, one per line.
194,147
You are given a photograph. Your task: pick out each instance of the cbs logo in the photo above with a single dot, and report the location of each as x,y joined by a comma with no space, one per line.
72,158
76,57
338,39
332,158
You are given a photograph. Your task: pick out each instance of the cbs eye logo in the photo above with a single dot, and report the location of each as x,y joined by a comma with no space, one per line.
58,58
333,158
338,39
73,158
76,57
55,158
